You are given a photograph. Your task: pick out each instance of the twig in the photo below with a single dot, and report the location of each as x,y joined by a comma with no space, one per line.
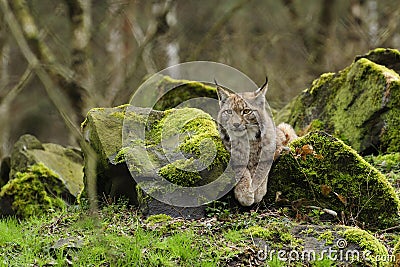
14,92
389,229
216,28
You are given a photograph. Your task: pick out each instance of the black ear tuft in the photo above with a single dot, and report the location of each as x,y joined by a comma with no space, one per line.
263,89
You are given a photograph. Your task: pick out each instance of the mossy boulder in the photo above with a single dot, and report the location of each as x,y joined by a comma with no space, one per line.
323,171
360,104
33,192
389,165
135,143
172,92
42,177
292,244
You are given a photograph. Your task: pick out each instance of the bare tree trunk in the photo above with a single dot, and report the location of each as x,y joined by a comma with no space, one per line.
318,45
157,27
373,23
172,45
4,80
115,49
4,56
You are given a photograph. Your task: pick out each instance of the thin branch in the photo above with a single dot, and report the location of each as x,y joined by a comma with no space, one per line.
34,62
140,39
14,92
217,28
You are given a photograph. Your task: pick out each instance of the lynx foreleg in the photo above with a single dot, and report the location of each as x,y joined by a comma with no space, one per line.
243,190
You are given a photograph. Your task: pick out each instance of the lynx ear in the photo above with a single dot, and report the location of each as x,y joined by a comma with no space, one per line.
263,89
222,93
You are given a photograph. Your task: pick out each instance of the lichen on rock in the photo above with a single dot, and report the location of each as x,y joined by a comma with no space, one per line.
321,170
360,104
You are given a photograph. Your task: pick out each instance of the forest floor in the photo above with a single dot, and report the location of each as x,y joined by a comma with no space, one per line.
120,236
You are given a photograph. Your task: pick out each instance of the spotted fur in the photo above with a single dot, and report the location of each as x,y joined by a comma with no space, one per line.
248,132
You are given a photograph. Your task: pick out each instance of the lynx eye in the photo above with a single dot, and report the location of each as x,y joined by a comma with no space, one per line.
246,111
228,111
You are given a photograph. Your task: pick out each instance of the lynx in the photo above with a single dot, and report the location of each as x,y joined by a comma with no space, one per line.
248,132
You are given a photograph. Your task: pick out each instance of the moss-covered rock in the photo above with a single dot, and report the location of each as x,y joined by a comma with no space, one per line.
172,143
33,192
67,162
293,244
322,171
388,165
41,177
171,92
360,104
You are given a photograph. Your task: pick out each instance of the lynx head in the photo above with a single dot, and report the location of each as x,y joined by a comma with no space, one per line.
242,113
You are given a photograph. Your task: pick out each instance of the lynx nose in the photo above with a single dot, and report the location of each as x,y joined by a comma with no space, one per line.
236,124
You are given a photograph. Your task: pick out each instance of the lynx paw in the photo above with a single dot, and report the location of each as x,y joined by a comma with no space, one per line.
243,190
245,198
260,192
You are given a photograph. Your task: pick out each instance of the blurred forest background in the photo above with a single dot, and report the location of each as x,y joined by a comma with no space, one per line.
66,56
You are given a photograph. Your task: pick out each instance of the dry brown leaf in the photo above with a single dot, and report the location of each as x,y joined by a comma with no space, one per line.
307,150
342,199
326,189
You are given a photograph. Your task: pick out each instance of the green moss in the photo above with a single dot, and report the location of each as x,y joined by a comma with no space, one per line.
389,165
371,246
189,131
158,218
365,194
319,83
34,191
277,233
327,236
396,251
182,90
359,104
179,172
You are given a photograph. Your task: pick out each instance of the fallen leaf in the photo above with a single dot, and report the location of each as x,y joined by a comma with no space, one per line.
326,189
307,150
342,199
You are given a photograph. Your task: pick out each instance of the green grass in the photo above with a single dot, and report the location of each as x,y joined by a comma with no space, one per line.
121,236
118,236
